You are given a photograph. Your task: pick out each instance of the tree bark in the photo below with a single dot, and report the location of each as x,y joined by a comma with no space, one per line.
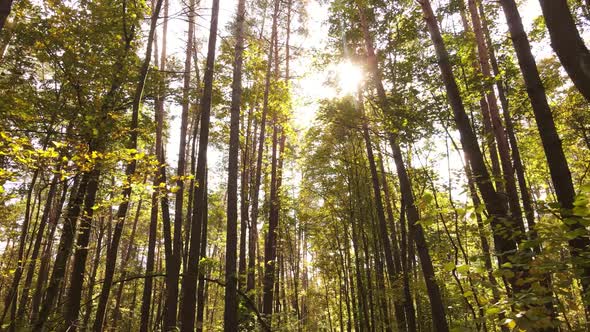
172,285
129,171
567,43
558,166
382,224
498,128
436,304
189,281
231,296
74,293
5,7
260,151
501,222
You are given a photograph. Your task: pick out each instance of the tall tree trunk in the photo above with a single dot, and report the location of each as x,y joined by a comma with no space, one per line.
202,285
519,168
382,224
407,302
74,293
63,253
189,281
558,166
270,283
5,7
231,296
37,246
498,128
128,254
260,152
10,302
436,304
567,43
172,285
46,256
93,273
129,171
501,223
270,247
244,202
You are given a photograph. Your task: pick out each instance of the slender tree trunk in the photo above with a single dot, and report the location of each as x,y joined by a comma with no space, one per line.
244,203
231,296
558,166
270,283
189,281
74,293
172,285
10,302
270,247
436,304
202,286
567,43
153,226
382,224
498,128
501,223
518,166
252,227
260,151
93,273
37,246
407,304
45,258
129,171
128,254
5,7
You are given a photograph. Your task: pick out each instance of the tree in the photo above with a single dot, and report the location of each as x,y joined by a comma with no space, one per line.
231,280
189,281
558,165
567,43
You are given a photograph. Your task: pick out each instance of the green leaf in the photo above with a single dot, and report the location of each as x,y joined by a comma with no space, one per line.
449,266
463,268
510,323
493,311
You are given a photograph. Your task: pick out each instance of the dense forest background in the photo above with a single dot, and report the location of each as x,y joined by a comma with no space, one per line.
284,165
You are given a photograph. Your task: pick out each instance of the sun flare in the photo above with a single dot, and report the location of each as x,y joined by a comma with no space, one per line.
349,77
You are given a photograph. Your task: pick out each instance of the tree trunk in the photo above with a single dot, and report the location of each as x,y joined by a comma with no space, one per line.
260,151
153,226
5,7
524,190
407,302
558,166
37,246
244,202
498,128
382,224
231,296
202,286
46,256
501,223
436,304
172,285
567,43
129,171
189,281
74,294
